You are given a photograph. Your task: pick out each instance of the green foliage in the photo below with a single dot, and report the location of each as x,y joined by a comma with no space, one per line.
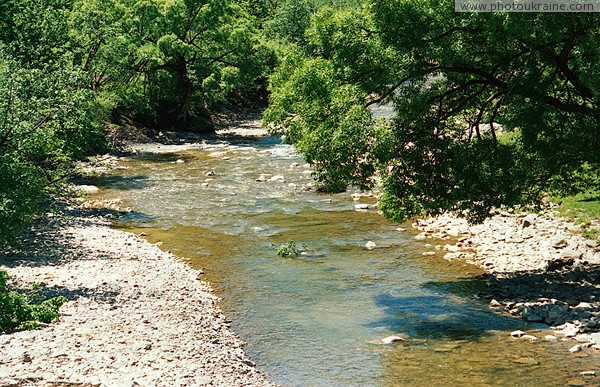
171,62
46,123
290,21
290,249
24,312
36,32
489,109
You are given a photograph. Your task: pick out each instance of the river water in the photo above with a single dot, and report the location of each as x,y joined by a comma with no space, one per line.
318,319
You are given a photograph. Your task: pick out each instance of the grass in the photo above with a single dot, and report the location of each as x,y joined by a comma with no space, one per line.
584,210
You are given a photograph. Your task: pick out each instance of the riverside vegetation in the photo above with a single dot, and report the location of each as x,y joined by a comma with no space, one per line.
490,110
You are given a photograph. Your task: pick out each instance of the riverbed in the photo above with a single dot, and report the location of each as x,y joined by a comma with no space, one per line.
227,204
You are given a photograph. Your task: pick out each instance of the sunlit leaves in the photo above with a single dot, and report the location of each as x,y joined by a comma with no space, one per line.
490,109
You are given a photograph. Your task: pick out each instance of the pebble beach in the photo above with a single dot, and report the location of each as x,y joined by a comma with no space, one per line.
136,315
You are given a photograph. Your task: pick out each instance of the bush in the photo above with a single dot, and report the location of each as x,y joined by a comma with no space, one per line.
290,249
25,312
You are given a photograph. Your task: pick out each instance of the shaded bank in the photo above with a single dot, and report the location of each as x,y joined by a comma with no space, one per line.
539,268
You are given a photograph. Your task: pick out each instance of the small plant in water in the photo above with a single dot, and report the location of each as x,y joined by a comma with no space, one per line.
290,249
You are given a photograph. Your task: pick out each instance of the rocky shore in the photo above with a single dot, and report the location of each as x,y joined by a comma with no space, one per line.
136,315
539,269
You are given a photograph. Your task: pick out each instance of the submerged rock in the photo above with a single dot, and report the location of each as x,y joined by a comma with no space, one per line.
370,245
575,348
392,339
277,178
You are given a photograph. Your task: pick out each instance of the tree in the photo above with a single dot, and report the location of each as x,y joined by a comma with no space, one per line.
490,109
191,55
48,118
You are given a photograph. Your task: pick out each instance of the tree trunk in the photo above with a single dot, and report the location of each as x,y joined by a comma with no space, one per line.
182,109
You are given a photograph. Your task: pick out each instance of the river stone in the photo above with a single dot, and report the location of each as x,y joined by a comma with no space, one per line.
529,220
570,254
529,337
211,173
392,339
453,231
361,206
203,380
495,304
370,245
584,306
87,189
428,253
517,333
180,161
451,248
451,256
595,337
592,244
277,178
571,332
560,244
551,338
575,348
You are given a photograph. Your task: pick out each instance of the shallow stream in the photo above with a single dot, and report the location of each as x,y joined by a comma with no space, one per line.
318,319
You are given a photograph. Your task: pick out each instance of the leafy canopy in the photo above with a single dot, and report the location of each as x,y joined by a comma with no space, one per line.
489,109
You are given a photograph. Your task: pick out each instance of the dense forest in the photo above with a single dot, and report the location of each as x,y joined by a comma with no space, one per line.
490,108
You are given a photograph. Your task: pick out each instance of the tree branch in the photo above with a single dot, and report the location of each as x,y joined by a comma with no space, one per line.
390,91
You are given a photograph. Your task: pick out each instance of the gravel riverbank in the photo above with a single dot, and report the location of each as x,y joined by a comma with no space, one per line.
136,315
539,268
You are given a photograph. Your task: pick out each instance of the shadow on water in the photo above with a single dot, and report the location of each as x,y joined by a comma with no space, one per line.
122,183
131,218
436,317
464,287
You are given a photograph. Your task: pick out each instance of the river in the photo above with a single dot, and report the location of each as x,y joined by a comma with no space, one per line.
318,319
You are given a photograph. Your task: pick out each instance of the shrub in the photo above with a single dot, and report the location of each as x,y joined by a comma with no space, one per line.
290,249
25,312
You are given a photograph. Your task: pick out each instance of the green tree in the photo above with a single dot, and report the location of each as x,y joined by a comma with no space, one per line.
188,56
48,117
47,122
490,109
